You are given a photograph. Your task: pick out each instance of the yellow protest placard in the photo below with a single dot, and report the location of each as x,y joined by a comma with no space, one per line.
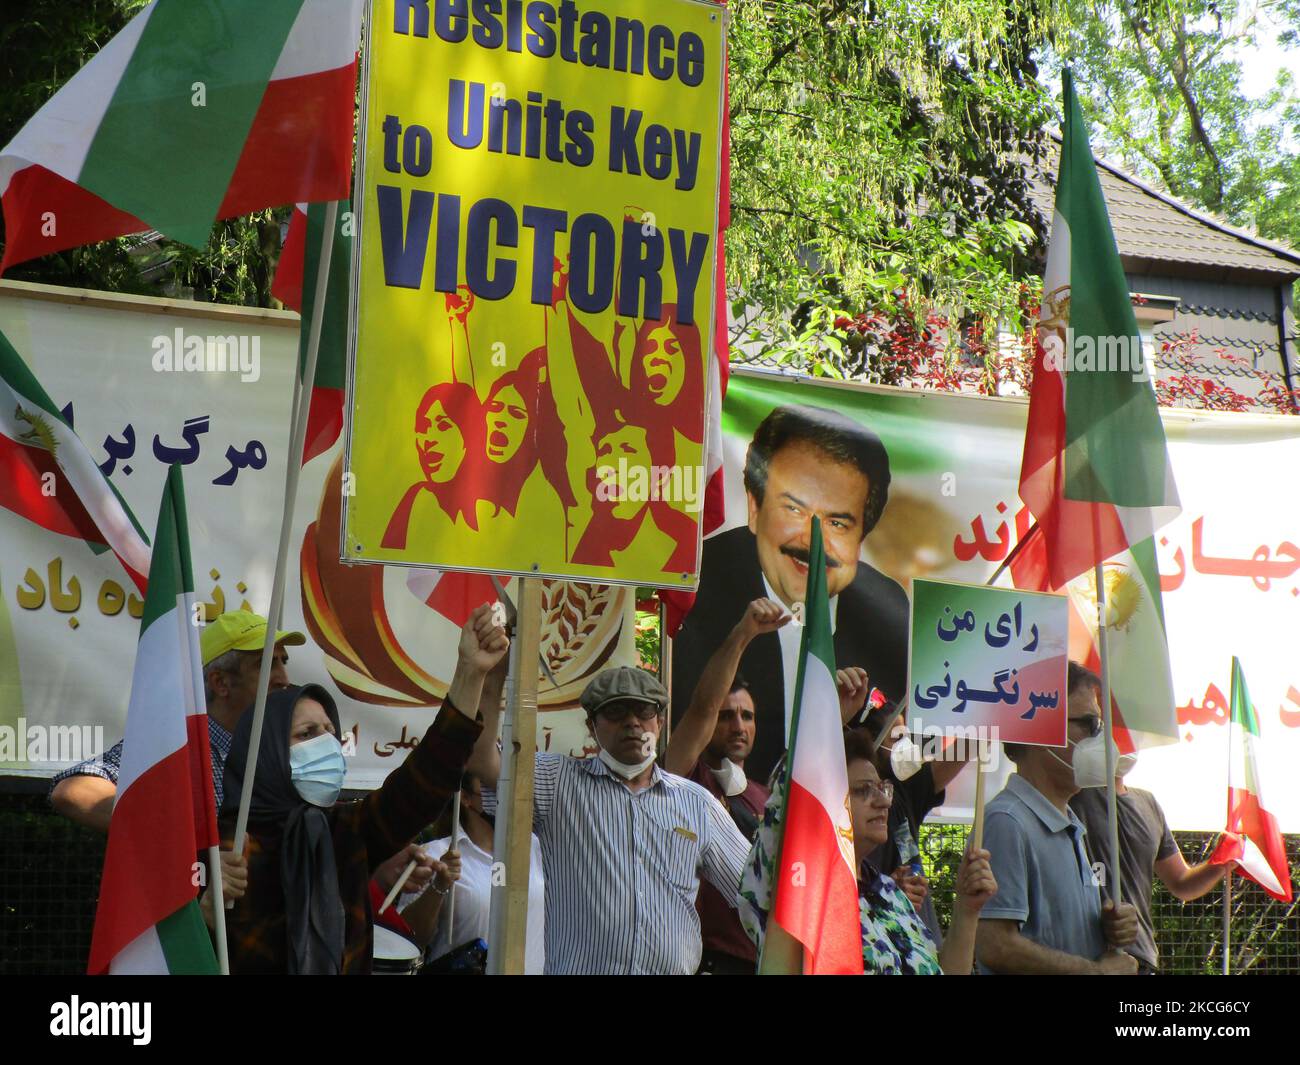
535,276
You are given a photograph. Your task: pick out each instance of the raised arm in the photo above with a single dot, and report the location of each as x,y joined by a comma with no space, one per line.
418,790
692,734
485,762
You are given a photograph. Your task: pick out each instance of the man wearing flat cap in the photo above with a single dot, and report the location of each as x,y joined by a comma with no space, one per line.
624,842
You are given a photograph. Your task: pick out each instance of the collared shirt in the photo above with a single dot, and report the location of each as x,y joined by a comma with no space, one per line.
790,636
1045,881
895,941
623,867
109,764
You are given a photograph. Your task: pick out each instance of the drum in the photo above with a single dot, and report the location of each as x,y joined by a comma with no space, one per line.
394,955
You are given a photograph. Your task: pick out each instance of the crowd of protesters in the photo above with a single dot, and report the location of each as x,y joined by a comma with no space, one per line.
638,852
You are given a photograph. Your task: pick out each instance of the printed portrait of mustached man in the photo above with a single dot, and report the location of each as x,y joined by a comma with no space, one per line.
628,443
484,439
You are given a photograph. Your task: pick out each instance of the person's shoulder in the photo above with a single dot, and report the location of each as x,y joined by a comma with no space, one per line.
686,788
1006,808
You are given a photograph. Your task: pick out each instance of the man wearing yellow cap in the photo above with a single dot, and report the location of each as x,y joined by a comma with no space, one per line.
231,649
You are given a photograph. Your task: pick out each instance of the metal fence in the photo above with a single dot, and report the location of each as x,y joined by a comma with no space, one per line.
1264,935
49,879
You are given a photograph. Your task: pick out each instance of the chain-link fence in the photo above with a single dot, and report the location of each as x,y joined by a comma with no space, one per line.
1264,934
49,879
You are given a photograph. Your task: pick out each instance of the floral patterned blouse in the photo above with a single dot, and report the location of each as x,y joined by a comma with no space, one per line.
894,939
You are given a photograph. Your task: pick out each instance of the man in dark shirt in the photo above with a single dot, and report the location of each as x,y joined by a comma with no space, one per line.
709,746
1146,850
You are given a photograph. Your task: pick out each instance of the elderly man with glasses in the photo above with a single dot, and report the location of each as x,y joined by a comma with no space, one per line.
624,843
1048,916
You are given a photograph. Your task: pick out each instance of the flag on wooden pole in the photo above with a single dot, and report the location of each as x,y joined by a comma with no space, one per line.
1095,471
810,895
196,110
148,917
1252,835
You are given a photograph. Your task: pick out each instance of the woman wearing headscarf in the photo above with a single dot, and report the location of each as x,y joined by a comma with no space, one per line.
310,858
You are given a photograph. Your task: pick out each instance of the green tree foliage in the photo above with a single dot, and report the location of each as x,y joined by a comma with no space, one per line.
1161,84
43,43
879,146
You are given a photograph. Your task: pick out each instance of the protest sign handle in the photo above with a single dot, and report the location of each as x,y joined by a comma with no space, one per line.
500,835
508,922
293,466
980,773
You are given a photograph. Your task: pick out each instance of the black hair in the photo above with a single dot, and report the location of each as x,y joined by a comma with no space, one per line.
858,745
1079,676
739,684
842,440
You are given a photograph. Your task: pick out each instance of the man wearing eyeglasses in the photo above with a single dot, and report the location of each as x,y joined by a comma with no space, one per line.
624,843
1048,916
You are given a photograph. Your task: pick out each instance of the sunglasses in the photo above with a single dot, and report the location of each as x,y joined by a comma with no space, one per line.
615,713
1091,724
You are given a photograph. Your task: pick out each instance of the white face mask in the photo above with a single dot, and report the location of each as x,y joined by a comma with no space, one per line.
905,758
1090,761
1125,763
730,777
628,772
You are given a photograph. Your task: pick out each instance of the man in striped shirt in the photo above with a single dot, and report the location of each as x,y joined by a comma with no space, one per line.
623,842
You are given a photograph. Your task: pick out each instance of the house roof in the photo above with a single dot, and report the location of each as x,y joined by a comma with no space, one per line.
1158,234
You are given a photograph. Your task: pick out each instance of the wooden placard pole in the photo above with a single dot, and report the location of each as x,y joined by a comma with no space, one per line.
981,759
513,844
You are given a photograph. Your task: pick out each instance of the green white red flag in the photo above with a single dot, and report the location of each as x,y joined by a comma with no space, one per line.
1252,836
196,110
48,476
1095,471
813,926
148,918
295,287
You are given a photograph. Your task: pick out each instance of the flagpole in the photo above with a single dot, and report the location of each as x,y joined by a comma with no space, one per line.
1227,880
1112,799
293,467
218,909
454,849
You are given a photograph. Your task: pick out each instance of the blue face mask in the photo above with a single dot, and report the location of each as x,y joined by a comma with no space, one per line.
317,769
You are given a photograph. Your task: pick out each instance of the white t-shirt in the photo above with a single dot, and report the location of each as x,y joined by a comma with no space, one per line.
474,902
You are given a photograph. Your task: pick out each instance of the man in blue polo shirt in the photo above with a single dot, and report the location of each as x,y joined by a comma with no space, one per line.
1048,916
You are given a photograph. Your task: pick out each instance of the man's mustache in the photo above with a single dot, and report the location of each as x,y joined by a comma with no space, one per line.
800,554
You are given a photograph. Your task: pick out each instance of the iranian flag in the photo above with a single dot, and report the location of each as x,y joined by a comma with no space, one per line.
1252,835
295,287
813,926
1095,471
148,917
196,110
49,477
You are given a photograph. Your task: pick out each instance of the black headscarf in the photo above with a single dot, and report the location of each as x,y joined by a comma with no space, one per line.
313,909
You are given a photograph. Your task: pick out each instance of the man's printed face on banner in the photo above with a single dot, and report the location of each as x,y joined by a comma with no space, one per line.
802,480
624,449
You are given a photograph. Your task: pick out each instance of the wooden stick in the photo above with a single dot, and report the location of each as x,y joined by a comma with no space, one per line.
979,799
397,887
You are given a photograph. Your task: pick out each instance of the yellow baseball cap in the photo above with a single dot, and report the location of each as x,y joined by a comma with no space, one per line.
239,630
